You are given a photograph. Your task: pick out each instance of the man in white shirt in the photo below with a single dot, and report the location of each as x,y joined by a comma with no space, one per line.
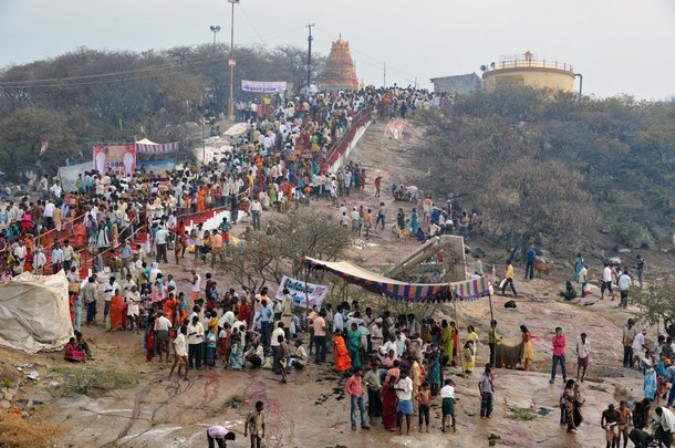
227,318
68,254
276,347
255,354
338,320
448,404
256,212
638,347
20,254
625,283
606,281
48,214
219,435
583,350
404,389
389,345
56,190
376,334
195,337
180,352
162,327
194,290
161,237
666,419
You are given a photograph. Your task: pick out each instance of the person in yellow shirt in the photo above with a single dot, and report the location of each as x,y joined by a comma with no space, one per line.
508,279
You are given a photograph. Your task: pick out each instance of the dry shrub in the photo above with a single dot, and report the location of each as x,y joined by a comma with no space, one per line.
18,432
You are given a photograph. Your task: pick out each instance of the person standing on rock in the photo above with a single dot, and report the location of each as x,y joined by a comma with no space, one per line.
625,283
508,279
486,391
404,390
638,347
529,265
609,421
640,266
381,213
180,352
559,346
354,389
629,333
583,351
606,281
255,425
526,350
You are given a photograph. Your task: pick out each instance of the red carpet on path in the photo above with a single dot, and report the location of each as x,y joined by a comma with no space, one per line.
86,258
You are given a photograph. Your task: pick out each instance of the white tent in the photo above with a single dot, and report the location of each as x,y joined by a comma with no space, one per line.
35,313
145,141
236,130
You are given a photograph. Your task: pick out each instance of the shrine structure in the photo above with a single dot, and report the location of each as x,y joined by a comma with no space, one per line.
339,72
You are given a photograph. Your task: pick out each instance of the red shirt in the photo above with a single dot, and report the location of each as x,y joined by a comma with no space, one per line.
559,345
245,313
354,386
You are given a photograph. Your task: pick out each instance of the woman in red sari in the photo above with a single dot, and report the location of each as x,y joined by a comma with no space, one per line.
28,260
342,360
389,403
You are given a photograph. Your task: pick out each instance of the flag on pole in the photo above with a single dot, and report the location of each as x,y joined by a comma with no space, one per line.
44,145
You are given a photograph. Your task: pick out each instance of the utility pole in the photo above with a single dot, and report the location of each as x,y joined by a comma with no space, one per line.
384,81
309,57
581,84
231,62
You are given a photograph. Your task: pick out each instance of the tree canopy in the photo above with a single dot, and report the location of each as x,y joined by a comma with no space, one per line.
547,166
91,96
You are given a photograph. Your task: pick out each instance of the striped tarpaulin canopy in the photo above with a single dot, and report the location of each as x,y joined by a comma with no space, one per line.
412,292
162,148
472,289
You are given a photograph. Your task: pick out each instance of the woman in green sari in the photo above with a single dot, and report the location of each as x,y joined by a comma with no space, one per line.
354,345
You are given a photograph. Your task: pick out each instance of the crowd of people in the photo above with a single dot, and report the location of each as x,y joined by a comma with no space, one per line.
394,367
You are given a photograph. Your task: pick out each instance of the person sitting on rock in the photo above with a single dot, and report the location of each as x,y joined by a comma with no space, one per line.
570,293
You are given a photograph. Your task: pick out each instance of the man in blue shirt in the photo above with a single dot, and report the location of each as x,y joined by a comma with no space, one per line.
266,320
529,266
126,255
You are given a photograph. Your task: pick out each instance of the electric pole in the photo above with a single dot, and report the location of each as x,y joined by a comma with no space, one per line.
231,61
309,57
384,81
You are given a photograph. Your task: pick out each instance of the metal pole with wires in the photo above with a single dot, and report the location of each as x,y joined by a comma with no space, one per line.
309,57
231,61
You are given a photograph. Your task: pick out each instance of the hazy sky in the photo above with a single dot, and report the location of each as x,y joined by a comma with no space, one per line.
620,46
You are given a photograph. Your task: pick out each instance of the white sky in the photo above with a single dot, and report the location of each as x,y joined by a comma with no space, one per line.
620,46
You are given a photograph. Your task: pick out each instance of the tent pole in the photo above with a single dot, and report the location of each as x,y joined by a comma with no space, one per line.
492,316
306,293
460,350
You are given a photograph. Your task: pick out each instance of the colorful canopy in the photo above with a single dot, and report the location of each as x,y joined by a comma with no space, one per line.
471,289
412,292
